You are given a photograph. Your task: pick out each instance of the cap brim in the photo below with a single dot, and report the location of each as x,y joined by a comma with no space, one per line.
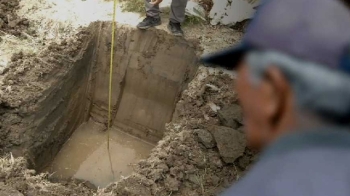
228,58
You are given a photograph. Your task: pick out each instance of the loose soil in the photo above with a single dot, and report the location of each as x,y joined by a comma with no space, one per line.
200,144
10,22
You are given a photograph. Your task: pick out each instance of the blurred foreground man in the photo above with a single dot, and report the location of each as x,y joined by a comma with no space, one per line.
177,15
294,86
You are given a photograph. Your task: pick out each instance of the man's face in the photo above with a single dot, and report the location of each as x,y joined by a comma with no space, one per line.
251,103
267,105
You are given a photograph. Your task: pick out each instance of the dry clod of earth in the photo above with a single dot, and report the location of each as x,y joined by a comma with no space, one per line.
231,116
205,138
9,20
231,143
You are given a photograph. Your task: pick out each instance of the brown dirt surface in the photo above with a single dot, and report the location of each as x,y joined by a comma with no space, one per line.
17,180
10,22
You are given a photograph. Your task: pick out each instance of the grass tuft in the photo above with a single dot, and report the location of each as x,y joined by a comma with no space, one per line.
192,20
137,6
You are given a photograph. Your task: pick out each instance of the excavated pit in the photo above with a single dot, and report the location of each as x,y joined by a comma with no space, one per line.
68,134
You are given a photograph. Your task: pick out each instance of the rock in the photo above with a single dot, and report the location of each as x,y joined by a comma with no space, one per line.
229,12
230,142
231,116
205,138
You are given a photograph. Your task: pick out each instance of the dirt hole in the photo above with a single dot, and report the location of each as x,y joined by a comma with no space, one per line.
150,70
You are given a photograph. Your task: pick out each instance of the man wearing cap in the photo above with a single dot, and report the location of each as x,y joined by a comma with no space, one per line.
293,82
177,16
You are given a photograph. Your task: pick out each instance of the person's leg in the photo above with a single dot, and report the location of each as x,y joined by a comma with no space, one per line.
177,11
152,10
177,16
152,16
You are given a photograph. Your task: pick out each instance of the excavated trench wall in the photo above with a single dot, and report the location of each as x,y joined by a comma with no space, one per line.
150,70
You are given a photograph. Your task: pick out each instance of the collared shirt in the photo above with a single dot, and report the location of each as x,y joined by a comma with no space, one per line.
305,163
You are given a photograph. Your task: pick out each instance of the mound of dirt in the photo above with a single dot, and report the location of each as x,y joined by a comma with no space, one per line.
16,180
10,22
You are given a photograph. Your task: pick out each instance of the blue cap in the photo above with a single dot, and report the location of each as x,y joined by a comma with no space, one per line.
313,30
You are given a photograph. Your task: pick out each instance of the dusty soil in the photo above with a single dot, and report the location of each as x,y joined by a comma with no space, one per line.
10,22
203,150
17,180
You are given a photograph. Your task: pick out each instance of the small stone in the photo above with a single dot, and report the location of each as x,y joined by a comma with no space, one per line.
230,142
231,116
205,138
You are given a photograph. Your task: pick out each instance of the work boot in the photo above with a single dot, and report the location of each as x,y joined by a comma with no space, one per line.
149,22
175,29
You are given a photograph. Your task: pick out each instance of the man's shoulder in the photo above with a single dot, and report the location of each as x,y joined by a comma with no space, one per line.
312,173
301,168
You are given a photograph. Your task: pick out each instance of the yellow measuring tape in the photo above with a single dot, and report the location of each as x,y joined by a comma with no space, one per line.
110,84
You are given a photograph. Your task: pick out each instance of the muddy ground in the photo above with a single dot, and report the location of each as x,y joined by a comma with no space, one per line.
203,150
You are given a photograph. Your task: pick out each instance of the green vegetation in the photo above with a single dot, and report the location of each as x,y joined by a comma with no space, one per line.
137,6
193,20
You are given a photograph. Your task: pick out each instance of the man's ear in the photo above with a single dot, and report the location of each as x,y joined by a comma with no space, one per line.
277,90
